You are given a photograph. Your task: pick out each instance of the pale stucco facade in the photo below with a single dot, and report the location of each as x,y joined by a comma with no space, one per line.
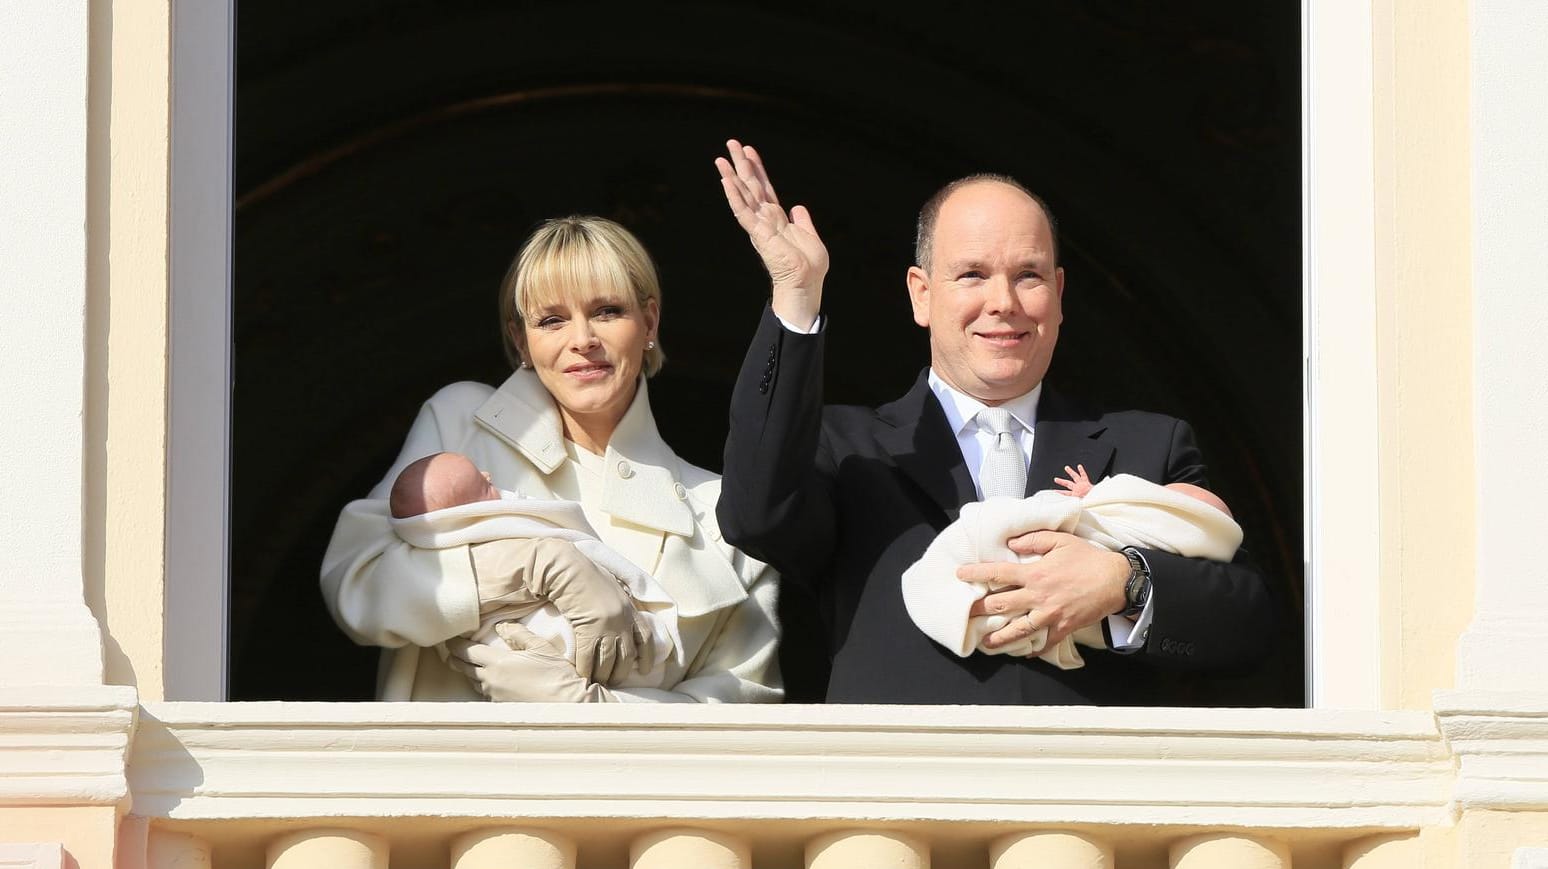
1426,237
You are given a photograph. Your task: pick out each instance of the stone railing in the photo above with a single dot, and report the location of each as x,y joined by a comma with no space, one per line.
470,786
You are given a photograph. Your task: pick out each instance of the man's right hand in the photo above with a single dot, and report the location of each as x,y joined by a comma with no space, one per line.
610,638
792,252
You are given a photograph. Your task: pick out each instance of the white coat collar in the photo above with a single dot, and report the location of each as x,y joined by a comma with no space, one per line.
640,485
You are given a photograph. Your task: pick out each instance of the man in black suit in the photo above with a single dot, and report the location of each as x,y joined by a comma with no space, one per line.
846,498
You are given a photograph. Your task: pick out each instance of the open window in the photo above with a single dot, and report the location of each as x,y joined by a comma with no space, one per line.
383,166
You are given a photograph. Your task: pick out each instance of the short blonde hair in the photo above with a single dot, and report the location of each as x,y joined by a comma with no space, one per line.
572,255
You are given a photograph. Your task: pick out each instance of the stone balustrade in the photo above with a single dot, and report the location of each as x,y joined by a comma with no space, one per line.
674,847
480,786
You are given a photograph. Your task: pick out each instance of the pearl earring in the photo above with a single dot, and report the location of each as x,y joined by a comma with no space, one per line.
650,345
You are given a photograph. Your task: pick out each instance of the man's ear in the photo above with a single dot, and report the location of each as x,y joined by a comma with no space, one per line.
919,295
1059,281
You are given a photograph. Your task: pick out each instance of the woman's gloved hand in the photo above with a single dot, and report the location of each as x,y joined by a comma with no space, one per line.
610,637
533,670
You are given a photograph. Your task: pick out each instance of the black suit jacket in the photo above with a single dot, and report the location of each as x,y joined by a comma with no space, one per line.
846,498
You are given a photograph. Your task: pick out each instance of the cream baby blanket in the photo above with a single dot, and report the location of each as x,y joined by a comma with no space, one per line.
515,516
1119,511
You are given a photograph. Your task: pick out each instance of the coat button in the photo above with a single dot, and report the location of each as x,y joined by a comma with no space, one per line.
624,470
679,491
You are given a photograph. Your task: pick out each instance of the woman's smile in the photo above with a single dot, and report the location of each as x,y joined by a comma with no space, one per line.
588,372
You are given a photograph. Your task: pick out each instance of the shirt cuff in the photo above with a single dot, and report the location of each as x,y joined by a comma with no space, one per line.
816,325
1129,634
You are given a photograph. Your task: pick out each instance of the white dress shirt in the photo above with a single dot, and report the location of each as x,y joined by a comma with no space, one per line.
974,439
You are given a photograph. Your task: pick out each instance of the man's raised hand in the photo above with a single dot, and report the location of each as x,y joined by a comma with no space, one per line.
792,252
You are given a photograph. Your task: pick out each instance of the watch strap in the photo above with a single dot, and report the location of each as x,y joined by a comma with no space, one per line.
1136,590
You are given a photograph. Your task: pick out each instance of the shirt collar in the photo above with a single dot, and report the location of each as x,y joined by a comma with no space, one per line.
961,408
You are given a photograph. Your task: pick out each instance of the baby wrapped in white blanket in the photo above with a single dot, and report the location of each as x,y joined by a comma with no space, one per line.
1119,511
446,507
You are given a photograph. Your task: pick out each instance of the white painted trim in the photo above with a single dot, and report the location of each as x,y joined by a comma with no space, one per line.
65,746
1508,104
1211,768
47,634
1500,739
1339,328
199,339
32,855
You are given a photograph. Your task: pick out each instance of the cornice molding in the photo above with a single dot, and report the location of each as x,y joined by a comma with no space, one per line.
65,745
1209,767
1500,739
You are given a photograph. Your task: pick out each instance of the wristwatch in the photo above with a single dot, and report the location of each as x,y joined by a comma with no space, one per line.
1136,589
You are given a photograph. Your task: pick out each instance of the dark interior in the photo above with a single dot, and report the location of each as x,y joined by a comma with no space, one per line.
391,156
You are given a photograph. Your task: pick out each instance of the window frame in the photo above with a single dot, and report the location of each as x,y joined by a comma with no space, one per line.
1339,414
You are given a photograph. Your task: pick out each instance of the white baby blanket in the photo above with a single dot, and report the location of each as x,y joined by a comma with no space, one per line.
515,516
1119,511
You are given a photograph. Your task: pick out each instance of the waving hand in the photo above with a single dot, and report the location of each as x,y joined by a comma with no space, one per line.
792,252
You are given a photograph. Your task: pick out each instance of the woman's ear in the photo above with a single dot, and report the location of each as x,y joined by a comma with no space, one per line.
651,313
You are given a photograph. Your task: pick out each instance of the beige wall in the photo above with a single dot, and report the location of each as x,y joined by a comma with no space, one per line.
126,356
87,833
1424,343
1488,839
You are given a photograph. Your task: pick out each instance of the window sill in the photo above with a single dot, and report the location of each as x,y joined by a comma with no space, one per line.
1073,765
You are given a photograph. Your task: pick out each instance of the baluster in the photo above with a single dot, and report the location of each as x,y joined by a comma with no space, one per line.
512,847
1043,849
682,847
867,849
1229,851
328,849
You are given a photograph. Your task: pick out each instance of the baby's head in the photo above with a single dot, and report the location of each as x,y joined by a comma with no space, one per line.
438,481
1201,494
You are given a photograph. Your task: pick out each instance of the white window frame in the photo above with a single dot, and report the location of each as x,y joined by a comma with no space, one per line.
1339,416
199,370
1342,549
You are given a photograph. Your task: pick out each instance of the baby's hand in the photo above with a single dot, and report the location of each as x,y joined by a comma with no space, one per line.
1078,484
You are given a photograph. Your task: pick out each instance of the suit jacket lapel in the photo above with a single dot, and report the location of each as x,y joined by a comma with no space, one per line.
1065,436
924,447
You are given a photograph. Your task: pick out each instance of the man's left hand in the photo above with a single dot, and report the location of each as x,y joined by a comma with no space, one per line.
533,670
1074,584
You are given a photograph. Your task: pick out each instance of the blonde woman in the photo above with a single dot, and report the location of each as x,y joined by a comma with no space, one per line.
580,309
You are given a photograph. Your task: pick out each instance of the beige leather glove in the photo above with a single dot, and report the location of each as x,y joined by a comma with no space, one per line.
610,637
533,670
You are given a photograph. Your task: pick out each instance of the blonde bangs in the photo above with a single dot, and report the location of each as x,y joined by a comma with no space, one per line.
570,274
573,260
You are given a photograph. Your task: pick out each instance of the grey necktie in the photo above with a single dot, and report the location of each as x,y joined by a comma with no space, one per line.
1004,471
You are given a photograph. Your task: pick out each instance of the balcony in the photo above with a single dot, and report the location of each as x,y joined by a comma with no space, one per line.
298,785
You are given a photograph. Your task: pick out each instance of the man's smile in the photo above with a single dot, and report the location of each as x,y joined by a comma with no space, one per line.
1002,338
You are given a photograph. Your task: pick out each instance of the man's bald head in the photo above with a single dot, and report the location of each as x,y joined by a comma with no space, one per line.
924,238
